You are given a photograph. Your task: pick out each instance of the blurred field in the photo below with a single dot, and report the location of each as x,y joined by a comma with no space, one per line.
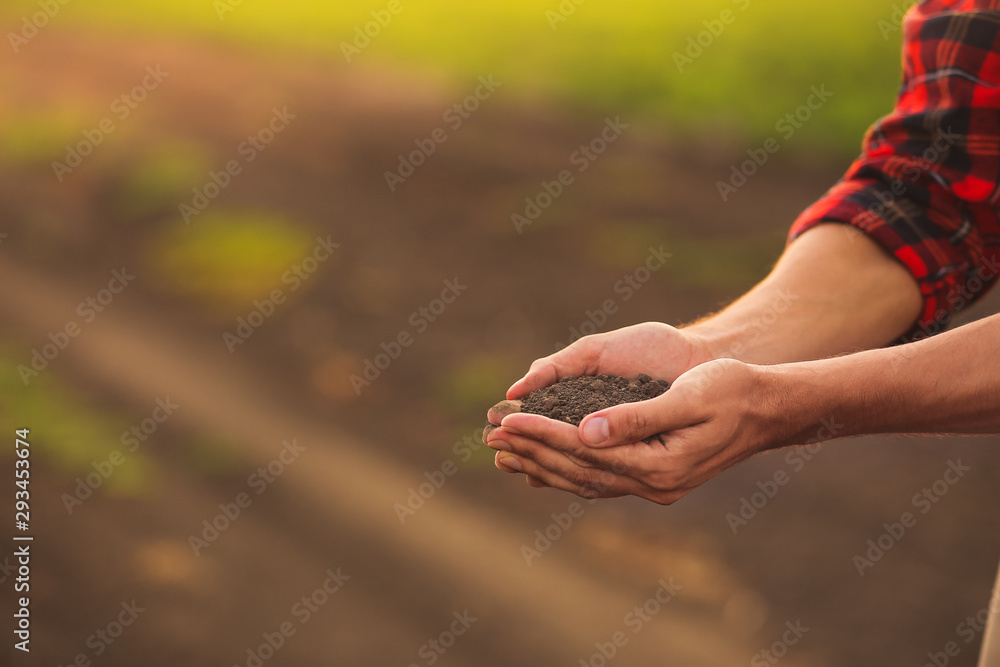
324,176
605,55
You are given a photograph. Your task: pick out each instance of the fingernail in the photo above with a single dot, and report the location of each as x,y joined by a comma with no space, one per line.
595,431
505,424
500,445
511,463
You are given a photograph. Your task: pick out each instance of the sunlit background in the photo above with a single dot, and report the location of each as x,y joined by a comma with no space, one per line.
195,210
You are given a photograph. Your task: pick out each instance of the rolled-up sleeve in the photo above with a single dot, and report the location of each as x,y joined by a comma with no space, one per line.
927,185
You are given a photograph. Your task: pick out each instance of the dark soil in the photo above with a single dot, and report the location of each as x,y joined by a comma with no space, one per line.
573,398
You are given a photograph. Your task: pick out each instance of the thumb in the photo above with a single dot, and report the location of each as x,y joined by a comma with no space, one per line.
631,422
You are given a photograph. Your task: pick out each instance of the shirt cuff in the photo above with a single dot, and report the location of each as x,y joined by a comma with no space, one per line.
935,240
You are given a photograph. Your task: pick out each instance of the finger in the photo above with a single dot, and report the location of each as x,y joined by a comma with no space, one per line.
486,432
587,483
633,422
557,435
504,466
501,410
541,374
546,464
635,460
522,446
580,358
535,483
503,462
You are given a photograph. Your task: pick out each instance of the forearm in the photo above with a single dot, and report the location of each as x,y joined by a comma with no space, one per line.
946,384
833,291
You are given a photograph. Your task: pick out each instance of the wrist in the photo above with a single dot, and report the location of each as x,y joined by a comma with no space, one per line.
710,343
796,406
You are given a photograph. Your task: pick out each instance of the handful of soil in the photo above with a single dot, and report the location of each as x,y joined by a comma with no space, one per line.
573,398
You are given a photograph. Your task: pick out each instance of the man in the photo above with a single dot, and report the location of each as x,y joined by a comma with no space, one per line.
910,235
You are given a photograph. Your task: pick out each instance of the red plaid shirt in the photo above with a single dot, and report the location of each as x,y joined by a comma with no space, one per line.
927,185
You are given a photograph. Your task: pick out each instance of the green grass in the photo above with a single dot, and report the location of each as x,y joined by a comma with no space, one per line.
228,258
38,137
162,177
474,383
67,432
616,57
